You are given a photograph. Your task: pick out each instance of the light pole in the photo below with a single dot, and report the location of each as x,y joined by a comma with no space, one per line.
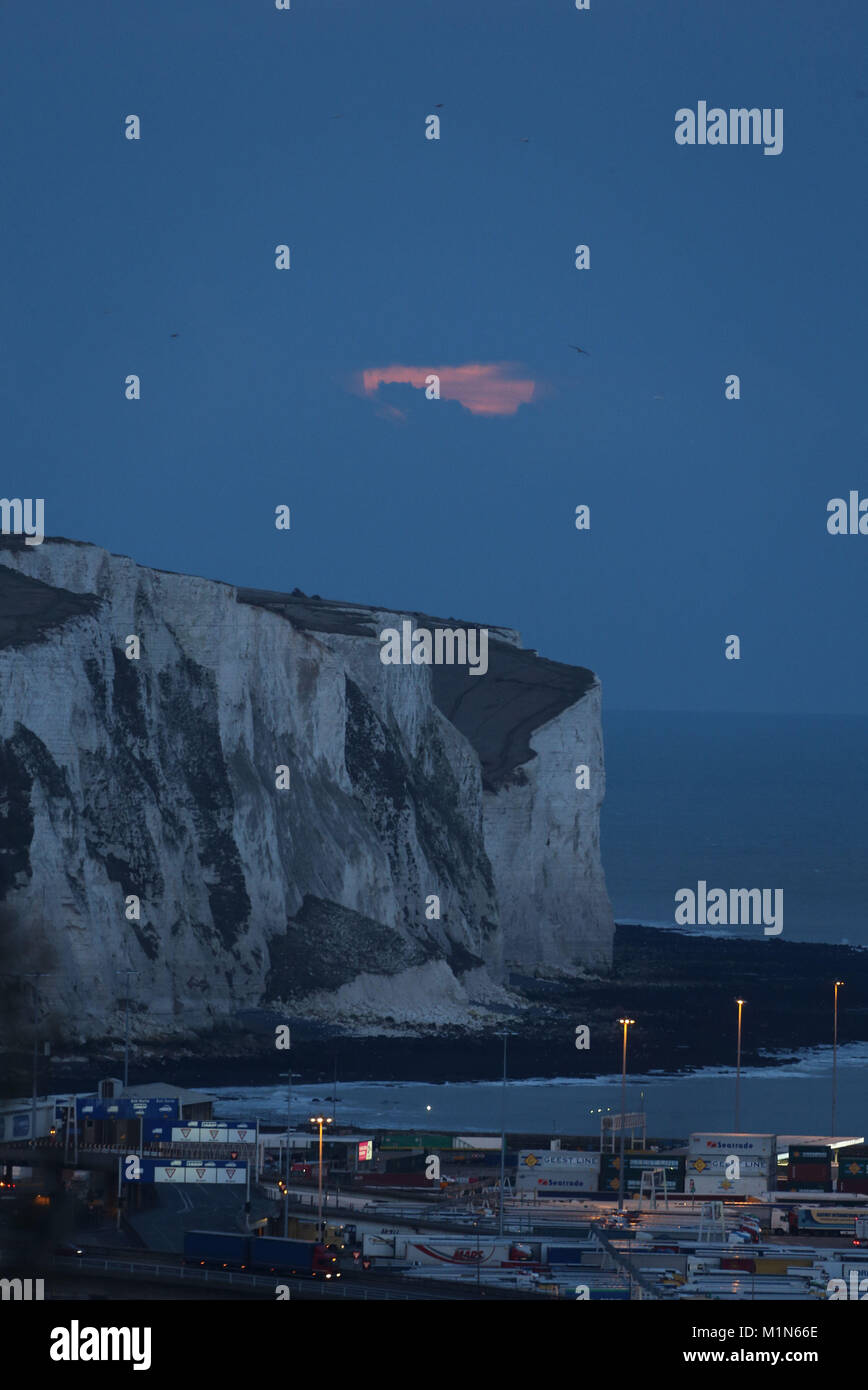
320,1120
288,1150
128,973
502,1137
838,984
35,976
740,1003
626,1024
288,1118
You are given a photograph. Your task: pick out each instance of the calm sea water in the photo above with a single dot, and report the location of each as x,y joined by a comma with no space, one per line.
793,1099
742,801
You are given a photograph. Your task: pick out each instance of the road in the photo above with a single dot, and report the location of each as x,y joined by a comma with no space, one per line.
144,1275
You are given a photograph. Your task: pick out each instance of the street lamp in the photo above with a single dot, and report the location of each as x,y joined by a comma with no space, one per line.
740,1003
128,973
320,1120
288,1165
502,1138
838,984
626,1023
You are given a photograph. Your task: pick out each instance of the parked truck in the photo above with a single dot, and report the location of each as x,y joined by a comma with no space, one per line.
468,1249
259,1254
832,1220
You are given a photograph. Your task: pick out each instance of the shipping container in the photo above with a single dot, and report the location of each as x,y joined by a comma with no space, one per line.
636,1164
751,1166
555,1172
816,1154
716,1184
852,1165
752,1144
808,1172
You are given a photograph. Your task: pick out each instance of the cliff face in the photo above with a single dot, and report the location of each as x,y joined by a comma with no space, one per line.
156,778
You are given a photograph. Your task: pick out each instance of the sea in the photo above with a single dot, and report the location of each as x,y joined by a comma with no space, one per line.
739,801
795,1098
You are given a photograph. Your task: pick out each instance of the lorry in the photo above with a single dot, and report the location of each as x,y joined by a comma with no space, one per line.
277,1255
831,1220
471,1250
234,1250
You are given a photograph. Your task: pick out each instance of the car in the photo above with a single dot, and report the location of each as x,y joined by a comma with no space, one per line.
66,1247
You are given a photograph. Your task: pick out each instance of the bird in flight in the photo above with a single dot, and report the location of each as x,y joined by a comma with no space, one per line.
524,139
173,335
578,349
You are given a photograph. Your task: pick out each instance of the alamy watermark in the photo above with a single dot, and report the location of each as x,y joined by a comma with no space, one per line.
22,1290
446,646
77,1343
847,518
858,1290
740,907
737,126
17,522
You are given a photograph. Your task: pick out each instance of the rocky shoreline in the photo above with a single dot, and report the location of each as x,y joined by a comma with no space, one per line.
680,987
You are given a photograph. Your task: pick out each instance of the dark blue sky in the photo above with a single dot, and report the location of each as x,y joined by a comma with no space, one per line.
708,517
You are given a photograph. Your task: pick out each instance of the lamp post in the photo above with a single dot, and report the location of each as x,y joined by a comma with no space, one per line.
502,1137
320,1120
128,973
35,976
740,1003
838,984
288,1076
288,1164
626,1024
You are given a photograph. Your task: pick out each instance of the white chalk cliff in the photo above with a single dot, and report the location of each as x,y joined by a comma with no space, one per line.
156,778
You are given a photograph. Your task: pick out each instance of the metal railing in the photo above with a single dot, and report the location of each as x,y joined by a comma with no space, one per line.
227,1278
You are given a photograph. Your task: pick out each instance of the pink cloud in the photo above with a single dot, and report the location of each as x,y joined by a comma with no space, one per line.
484,388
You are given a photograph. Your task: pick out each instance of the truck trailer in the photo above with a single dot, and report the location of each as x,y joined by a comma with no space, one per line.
233,1250
217,1249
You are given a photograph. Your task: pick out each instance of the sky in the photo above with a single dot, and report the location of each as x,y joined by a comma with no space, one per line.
408,256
